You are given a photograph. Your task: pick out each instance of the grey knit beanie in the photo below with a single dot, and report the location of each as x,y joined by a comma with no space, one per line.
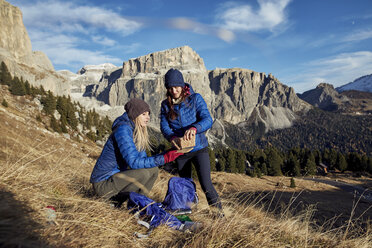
135,107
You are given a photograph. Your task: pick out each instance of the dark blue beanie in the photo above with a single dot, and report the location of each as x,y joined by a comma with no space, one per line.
174,78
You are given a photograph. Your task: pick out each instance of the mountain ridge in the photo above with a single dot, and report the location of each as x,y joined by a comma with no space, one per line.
363,83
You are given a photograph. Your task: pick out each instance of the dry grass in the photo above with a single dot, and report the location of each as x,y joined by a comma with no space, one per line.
39,168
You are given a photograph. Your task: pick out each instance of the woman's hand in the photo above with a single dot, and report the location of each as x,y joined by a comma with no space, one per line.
189,133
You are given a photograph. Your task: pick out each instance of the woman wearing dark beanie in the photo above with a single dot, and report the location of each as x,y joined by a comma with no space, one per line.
184,114
123,165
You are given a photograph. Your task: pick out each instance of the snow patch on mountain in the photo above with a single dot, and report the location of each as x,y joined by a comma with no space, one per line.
361,84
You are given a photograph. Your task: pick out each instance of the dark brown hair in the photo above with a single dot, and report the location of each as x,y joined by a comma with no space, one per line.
172,114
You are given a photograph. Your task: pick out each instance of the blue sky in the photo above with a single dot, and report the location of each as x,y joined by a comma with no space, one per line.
301,42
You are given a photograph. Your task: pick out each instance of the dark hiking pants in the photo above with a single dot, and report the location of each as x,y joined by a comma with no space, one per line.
200,159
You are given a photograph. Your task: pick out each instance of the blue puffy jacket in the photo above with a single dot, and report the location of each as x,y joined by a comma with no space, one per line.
191,113
120,152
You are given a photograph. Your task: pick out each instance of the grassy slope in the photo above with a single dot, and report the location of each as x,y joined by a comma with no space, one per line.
39,168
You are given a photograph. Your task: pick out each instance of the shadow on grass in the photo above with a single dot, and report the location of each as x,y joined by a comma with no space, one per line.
17,229
328,210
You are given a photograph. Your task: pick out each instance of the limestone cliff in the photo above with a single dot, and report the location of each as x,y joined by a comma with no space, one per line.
243,95
325,97
16,52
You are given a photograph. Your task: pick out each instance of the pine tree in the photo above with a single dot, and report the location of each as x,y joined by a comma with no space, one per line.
54,124
341,163
292,165
221,160
264,169
364,163
17,87
318,156
5,76
332,158
88,120
293,183
64,124
310,166
231,161
257,171
212,158
354,161
258,156
49,102
27,88
240,161
274,162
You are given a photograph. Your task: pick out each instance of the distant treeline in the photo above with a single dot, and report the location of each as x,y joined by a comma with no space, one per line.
71,115
273,162
316,129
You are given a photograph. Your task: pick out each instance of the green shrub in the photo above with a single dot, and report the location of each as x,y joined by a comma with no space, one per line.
4,103
293,183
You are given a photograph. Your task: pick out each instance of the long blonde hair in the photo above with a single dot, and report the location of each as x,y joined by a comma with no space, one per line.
141,137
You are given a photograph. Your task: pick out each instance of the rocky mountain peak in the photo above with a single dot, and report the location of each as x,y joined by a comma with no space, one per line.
13,34
16,52
246,96
183,58
325,86
325,97
95,71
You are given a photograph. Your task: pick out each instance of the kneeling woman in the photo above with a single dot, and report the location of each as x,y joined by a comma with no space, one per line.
123,165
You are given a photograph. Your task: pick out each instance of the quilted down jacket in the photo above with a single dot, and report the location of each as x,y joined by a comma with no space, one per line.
191,113
120,152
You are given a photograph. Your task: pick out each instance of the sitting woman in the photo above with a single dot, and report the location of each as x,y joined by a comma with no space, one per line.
184,114
123,165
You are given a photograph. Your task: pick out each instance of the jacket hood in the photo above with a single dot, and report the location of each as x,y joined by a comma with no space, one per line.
123,119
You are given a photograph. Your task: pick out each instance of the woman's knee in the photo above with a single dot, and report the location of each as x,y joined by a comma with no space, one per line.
152,172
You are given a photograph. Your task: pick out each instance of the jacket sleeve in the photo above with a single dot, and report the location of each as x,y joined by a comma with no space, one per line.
202,115
164,124
134,159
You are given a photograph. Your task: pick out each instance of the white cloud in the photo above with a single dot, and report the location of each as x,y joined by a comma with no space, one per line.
242,17
225,35
337,70
103,40
69,17
360,35
200,28
69,33
62,50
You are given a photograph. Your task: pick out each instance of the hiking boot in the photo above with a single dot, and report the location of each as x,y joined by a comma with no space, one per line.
217,213
191,226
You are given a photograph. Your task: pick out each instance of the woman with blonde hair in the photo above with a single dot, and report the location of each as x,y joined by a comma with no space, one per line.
123,165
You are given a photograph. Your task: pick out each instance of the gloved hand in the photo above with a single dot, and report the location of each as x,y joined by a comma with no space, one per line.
171,155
